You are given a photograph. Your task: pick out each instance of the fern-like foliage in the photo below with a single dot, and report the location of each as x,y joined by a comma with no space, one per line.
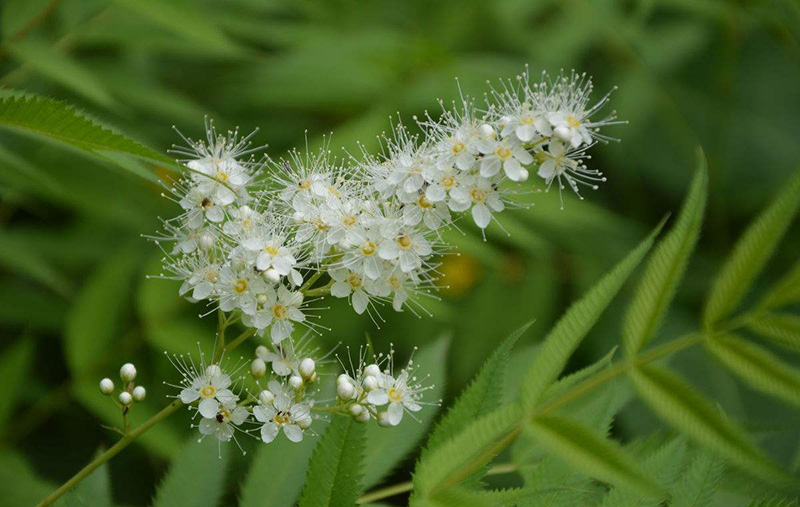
196,477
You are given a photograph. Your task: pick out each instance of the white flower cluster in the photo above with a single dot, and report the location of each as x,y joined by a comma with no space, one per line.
256,237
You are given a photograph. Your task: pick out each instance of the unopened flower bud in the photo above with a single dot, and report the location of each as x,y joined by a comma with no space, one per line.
523,175
372,370
272,275
258,368
295,381
106,386
266,397
213,370
139,393
261,352
486,130
355,410
206,241
128,372
305,423
345,390
342,378
307,368
125,398
370,383
362,417
262,299
383,419
563,133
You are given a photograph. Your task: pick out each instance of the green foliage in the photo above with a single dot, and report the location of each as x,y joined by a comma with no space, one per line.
698,484
779,328
94,491
786,291
15,364
758,367
666,267
196,477
567,334
337,466
751,253
591,453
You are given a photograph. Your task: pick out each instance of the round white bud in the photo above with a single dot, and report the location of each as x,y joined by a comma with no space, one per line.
487,130
370,383
307,367
563,133
345,390
128,372
213,370
295,381
261,352
383,419
106,386
342,378
305,423
261,299
206,241
372,370
272,275
125,398
266,397
524,174
362,417
355,410
258,368
139,393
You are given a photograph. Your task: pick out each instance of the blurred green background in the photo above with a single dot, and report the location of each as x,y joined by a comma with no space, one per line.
74,301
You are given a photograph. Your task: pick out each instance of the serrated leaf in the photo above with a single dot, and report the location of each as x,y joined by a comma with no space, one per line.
591,453
568,332
786,291
461,496
57,121
697,485
277,472
335,474
197,475
459,457
93,321
14,365
663,465
779,328
751,254
387,447
665,267
481,396
672,399
757,367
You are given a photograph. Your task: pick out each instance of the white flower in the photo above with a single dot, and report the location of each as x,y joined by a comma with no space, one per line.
282,414
201,205
238,289
352,284
271,254
398,394
479,194
242,220
408,246
279,311
560,161
211,388
506,154
364,257
419,208
222,421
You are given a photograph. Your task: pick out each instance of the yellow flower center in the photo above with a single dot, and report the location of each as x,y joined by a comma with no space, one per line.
349,221
304,184
395,396
212,276
423,202
503,153
355,282
573,122
206,203
246,223
458,147
405,241
395,283
448,182
477,195
320,225
333,190
240,286
208,391
368,248
282,418
222,176
270,249
526,120
279,311
223,415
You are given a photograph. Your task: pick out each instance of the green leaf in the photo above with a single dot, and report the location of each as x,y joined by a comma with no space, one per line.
757,367
388,446
57,121
480,397
568,332
666,267
779,328
697,485
463,455
461,496
93,491
336,470
591,453
680,405
14,365
93,322
59,67
663,465
21,257
268,485
751,254
19,484
196,477
786,291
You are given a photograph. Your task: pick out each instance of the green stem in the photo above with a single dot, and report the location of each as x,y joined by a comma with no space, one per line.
111,452
237,341
320,291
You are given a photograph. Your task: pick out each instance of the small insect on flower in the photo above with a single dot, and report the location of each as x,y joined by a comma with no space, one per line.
280,413
222,423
